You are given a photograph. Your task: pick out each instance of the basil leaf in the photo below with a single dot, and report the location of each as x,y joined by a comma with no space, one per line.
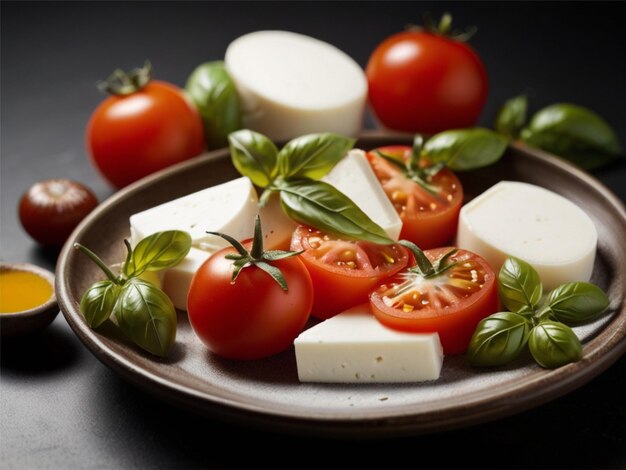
147,316
465,149
519,285
575,133
313,155
498,339
554,344
320,205
98,301
254,156
213,92
160,250
576,302
512,117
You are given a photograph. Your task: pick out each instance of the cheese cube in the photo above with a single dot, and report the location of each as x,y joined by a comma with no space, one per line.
354,177
228,208
290,84
534,224
353,347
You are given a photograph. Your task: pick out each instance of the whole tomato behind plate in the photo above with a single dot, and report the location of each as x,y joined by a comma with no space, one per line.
143,127
424,80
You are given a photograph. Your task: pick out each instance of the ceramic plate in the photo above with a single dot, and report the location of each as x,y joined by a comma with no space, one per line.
267,392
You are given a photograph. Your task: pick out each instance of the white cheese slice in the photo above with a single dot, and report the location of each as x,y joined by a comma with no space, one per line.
534,224
228,208
354,177
353,347
290,84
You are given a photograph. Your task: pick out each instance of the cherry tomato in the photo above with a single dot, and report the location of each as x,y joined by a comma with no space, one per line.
50,209
148,128
425,82
344,271
451,303
428,220
253,317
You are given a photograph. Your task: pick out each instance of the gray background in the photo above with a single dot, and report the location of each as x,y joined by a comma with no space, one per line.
61,408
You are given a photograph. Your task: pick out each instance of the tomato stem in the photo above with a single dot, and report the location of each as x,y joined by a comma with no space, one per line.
121,83
444,28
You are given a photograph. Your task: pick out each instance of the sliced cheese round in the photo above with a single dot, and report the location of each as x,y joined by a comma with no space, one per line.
534,224
290,84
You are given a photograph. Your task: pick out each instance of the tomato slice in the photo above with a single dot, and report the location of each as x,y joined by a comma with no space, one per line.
344,271
429,219
450,303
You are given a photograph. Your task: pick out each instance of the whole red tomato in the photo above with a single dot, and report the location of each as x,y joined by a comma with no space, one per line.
144,127
423,81
252,317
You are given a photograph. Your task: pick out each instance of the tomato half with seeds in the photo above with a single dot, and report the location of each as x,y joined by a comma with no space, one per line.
429,214
450,303
344,271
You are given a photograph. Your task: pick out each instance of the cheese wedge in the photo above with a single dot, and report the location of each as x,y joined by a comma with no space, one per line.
228,208
353,347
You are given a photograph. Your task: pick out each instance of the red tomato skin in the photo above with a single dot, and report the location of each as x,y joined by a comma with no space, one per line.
431,230
335,289
132,136
428,229
457,326
252,318
423,82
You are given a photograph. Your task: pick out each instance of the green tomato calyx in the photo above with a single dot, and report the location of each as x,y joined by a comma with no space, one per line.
122,83
257,256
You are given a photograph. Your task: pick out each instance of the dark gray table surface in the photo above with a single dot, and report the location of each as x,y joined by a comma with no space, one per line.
61,408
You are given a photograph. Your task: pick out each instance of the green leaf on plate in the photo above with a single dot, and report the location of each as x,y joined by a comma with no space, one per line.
147,316
254,156
519,285
312,156
320,205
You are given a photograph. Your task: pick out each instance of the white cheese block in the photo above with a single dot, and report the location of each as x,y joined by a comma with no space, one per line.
277,227
290,84
534,224
228,208
354,177
353,347
177,280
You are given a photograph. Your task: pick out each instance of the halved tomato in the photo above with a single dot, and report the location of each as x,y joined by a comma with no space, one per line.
344,271
429,211
461,291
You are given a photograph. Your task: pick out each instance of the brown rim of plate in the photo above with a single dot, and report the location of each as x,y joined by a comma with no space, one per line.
599,352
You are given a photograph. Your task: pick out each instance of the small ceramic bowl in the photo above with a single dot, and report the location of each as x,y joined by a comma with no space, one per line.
34,319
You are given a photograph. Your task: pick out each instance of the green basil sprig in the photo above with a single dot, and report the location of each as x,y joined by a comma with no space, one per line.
213,91
144,313
294,172
501,337
566,130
